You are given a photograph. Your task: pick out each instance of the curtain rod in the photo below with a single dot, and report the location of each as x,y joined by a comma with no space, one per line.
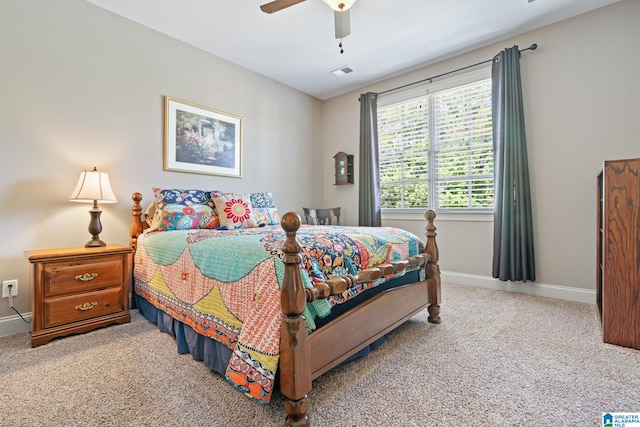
532,47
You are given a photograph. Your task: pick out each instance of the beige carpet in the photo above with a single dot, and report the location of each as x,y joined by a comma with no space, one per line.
498,358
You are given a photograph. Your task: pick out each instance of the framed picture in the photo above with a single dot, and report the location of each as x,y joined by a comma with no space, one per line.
201,140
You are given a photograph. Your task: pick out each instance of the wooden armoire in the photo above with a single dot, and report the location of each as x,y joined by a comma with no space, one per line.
618,252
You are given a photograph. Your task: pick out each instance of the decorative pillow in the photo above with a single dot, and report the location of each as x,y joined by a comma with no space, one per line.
179,209
264,210
234,210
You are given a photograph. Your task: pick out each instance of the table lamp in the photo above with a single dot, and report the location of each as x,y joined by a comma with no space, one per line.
93,186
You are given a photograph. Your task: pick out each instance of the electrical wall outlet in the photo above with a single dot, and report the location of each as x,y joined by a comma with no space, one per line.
5,288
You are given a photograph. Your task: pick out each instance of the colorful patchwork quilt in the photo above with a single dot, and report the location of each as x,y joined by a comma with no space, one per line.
225,284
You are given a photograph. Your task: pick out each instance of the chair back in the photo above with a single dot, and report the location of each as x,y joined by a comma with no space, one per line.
321,216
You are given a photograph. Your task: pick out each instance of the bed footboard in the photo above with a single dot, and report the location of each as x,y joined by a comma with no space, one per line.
300,361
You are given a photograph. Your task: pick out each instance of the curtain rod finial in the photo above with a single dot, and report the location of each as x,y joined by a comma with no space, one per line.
533,46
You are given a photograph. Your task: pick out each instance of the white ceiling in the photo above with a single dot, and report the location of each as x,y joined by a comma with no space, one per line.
296,46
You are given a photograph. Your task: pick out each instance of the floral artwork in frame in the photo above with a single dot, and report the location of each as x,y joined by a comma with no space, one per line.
201,140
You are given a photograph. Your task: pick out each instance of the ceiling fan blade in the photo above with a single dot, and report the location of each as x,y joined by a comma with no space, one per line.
277,5
343,24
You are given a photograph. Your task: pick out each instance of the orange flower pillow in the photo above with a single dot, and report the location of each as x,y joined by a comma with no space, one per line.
234,210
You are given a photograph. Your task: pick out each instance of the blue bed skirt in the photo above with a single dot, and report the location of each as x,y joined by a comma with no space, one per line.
214,354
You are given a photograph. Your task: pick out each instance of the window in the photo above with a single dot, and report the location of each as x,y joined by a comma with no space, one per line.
436,146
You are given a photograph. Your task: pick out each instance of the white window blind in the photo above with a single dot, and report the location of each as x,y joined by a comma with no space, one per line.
436,150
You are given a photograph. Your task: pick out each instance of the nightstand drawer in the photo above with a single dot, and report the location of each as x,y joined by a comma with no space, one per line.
69,277
73,308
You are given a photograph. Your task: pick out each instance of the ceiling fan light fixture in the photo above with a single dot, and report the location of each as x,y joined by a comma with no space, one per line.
340,5
342,24
341,14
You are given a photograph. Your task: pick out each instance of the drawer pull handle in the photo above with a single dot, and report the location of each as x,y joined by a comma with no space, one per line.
86,306
86,277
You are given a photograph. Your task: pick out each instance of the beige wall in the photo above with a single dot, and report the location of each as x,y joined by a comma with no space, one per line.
581,90
82,87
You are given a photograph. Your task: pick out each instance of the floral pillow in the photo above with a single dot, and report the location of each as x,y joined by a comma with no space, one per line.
264,210
179,209
234,210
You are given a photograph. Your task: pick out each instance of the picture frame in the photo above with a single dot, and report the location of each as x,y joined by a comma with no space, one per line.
201,140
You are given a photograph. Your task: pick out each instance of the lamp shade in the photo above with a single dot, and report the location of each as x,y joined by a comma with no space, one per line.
93,186
340,5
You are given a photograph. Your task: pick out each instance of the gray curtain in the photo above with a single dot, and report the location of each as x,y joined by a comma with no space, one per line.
513,231
369,195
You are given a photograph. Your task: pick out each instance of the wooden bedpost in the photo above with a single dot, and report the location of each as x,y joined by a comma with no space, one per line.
137,227
136,222
295,370
433,269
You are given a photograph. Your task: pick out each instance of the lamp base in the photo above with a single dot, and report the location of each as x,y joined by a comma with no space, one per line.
95,227
95,243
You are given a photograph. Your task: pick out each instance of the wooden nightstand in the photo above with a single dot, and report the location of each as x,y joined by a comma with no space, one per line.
76,290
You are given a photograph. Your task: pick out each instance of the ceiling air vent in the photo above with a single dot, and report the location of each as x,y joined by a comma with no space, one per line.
342,71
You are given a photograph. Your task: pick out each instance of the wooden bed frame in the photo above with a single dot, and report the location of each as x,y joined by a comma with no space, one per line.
304,356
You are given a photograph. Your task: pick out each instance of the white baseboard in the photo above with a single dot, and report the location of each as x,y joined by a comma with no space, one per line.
531,288
10,325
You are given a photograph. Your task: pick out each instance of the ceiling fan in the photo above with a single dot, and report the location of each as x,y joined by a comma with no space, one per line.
341,14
